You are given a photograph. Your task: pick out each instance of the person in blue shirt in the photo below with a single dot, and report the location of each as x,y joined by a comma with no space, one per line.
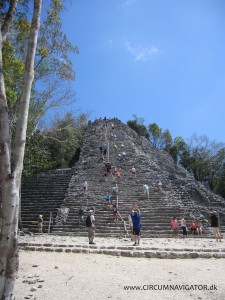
108,199
136,220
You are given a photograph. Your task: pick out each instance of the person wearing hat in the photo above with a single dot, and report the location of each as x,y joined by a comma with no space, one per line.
215,225
90,224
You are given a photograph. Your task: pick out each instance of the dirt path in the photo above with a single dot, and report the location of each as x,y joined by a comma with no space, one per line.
81,276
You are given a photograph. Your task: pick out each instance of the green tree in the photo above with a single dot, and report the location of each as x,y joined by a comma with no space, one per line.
166,140
53,68
13,71
155,133
219,184
63,139
179,150
38,157
159,138
138,126
217,168
205,158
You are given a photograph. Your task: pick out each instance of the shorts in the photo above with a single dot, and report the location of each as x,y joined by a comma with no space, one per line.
215,230
91,231
175,230
40,225
136,231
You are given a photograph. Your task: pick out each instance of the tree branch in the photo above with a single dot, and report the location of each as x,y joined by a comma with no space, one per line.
9,19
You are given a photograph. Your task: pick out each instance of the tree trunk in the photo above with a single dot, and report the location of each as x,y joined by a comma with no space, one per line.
12,164
20,223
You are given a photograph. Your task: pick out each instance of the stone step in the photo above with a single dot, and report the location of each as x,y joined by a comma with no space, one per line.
127,251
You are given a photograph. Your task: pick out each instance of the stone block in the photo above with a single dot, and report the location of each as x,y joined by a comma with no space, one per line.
58,250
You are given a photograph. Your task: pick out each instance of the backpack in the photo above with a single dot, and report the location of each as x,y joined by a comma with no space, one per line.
88,221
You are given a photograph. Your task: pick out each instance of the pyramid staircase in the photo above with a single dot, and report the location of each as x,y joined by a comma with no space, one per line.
181,194
43,194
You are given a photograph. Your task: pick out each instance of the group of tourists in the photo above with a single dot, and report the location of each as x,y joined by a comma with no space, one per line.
196,226
134,223
175,226
159,186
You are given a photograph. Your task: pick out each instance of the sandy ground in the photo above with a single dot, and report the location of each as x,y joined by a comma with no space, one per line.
80,276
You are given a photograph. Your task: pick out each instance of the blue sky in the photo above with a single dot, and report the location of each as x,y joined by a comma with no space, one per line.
161,60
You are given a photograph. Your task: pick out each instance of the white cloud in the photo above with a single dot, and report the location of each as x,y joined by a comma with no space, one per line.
141,54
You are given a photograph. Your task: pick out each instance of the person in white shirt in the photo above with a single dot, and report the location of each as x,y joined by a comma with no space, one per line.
123,155
85,186
133,170
146,190
183,226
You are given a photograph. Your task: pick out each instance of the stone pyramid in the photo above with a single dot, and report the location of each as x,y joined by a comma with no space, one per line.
181,194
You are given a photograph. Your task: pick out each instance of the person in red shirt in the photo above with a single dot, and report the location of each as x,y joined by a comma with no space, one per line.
193,227
174,226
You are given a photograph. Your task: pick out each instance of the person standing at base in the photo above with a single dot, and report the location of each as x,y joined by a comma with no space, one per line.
193,227
40,224
215,225
184,226
136,220
199,227
91,225
174,226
